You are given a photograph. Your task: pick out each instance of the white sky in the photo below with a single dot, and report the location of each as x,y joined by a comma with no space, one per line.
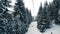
33,5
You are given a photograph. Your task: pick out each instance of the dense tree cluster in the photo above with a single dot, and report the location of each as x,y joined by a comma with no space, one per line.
24,15
17,22
47,14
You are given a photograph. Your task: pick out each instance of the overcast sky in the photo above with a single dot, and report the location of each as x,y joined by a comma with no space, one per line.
33,5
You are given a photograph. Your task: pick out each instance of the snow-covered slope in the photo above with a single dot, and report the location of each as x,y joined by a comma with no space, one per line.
55,30
33,29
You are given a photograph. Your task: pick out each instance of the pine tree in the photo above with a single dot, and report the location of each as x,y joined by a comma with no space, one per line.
56,4
47,14
3,6
16,23
4,16
28,16
43,18
21,14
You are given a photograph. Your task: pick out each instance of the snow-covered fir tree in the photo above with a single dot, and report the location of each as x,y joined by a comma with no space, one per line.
23,15
43,18
4,16
17,22
47,14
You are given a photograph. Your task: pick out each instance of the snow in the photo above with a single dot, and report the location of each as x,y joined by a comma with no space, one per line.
55,30
33,28
11,9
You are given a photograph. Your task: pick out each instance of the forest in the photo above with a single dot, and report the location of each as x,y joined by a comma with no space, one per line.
19,20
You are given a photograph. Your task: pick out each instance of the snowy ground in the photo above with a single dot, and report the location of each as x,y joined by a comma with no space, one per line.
55,30
33,28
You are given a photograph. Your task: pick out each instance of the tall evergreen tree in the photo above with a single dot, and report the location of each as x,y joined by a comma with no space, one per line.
16,23
21,14
4,16
47,14
56,4
43,18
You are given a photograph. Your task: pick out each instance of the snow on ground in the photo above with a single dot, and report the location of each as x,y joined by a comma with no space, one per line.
55,30
12,6
33,29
